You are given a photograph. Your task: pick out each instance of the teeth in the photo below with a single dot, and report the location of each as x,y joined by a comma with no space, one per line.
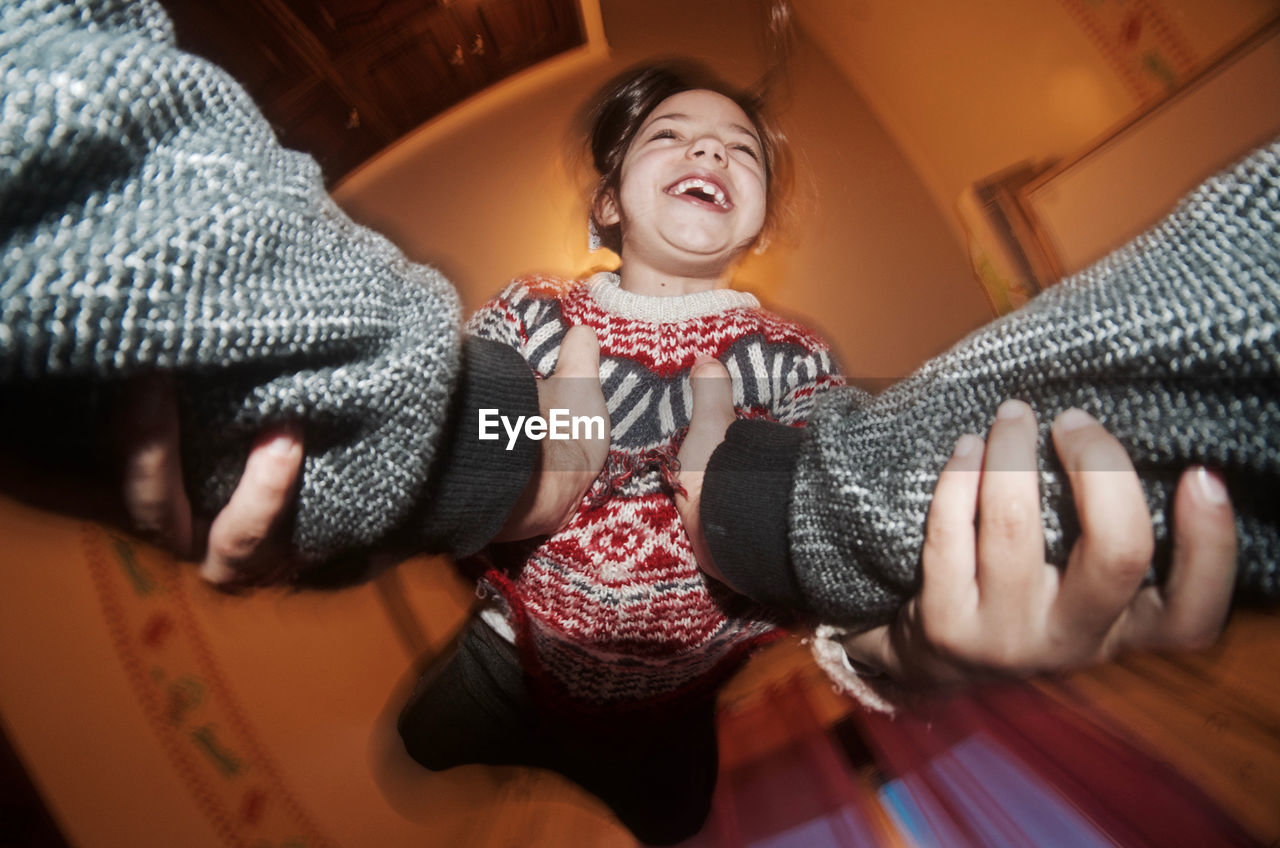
705,186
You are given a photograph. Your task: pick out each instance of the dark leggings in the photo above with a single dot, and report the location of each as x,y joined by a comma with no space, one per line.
655,769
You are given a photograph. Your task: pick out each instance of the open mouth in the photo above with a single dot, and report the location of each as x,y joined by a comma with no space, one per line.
702,190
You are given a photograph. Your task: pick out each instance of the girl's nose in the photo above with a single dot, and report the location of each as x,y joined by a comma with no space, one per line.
709,148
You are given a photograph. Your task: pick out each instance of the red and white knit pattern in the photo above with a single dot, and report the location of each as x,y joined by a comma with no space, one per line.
612,610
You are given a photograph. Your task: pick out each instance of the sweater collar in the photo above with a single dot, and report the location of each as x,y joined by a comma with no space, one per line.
659,309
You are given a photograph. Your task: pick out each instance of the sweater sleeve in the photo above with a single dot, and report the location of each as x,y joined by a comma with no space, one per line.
1171,342
477,482
526,317
501,320
807,377
745,498
151,221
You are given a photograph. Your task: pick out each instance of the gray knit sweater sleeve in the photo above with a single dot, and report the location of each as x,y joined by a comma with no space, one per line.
1171,342
150,220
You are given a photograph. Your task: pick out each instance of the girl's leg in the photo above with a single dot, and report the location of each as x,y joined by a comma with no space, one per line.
471,706
656,774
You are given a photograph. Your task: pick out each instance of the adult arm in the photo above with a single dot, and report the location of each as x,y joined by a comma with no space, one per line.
989,604
150,222
1171,342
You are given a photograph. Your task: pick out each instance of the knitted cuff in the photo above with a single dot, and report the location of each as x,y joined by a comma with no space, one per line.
745,498
477,482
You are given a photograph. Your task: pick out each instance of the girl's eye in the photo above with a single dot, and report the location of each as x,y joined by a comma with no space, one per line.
663,134
749,150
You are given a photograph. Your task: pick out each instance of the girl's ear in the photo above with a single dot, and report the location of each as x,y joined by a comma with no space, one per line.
763,239
607,209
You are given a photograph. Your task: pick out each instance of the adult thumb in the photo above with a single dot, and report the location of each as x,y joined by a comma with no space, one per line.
712,396
712,414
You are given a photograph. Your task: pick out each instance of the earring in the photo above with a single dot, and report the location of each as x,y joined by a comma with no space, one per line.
593,235
761,247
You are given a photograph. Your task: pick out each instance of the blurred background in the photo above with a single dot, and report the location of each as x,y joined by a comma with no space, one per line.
954,160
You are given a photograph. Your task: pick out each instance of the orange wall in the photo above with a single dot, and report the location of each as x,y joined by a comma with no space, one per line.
967,89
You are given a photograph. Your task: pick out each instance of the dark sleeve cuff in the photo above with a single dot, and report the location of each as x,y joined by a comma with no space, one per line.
745,497
476,482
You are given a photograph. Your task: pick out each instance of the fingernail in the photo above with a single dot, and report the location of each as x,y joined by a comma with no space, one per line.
967,445
283,444
1073,419
1212,487
702,369
1012,409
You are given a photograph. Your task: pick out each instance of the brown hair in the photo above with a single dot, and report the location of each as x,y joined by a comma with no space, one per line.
625,103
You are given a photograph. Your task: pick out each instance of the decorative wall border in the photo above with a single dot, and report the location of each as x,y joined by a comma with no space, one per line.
1140,42
186,700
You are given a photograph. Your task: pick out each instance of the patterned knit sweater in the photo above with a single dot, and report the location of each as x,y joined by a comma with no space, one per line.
612,610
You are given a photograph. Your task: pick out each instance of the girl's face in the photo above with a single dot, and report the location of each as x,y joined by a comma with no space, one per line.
692,194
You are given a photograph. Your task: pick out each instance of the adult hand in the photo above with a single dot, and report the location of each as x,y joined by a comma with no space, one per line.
712,414
989,604
237,545
566,467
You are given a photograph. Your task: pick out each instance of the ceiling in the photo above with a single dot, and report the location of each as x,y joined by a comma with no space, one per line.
342,79
964,89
